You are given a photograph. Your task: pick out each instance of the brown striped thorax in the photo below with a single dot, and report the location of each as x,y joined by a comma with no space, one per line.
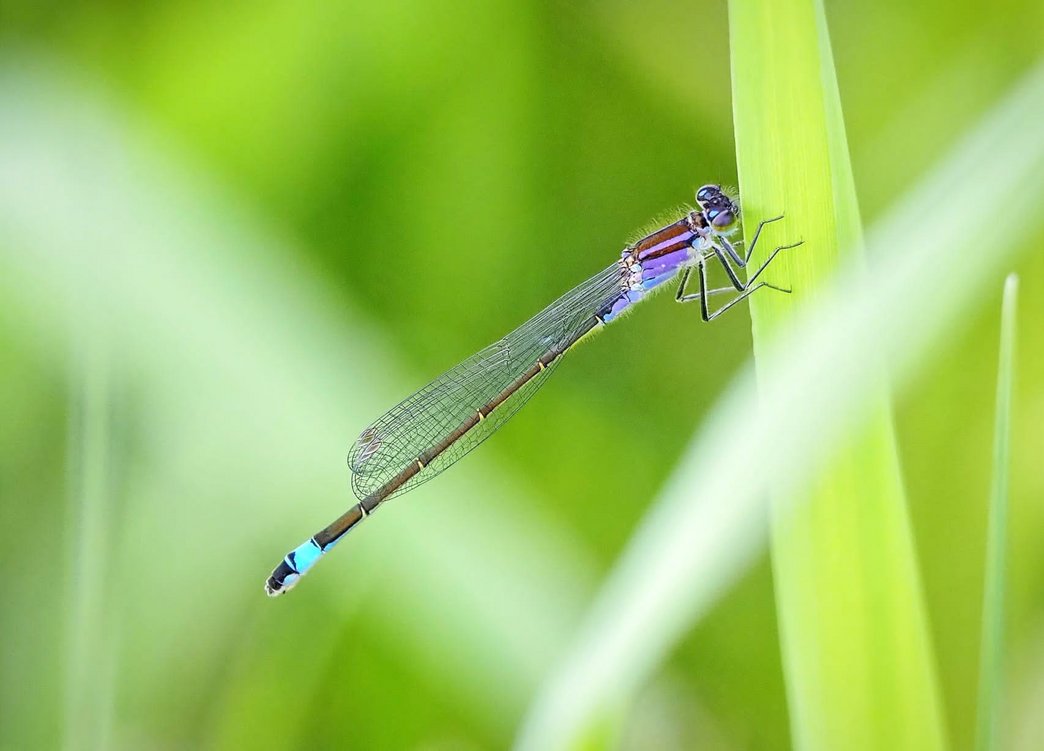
718,214
659,257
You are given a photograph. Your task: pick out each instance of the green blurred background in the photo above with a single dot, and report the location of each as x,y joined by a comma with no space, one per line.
233,234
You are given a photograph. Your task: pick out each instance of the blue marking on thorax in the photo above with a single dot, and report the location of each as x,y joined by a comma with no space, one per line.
304,556
658,280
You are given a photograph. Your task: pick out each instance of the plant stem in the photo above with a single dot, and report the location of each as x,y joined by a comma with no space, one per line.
991,657
857,659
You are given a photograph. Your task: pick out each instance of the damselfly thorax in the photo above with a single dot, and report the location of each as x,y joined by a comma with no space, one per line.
659,257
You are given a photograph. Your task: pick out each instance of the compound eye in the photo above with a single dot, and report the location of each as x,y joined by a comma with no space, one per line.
706,192
721,219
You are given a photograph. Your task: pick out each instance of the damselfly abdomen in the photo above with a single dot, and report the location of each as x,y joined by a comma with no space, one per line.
433,428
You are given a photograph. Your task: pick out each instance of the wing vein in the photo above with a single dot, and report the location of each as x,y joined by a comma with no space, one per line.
446,407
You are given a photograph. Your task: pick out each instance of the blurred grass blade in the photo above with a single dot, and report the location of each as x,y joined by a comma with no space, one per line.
819,380
991,658
90,624
857,658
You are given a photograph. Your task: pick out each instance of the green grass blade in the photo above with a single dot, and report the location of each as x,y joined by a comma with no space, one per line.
90,625
991,665
818,382
847,583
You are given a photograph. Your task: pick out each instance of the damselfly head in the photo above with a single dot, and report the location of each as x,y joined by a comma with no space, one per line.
719,209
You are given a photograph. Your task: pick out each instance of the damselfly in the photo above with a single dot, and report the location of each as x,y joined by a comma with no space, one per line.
429,431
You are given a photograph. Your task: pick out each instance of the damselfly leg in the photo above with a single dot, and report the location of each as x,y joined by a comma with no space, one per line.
682,297
745,289
704,292
742,261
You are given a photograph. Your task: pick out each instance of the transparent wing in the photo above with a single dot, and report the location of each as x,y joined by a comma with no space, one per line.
426,418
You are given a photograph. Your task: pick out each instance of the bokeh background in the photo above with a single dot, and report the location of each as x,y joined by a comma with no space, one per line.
233,234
